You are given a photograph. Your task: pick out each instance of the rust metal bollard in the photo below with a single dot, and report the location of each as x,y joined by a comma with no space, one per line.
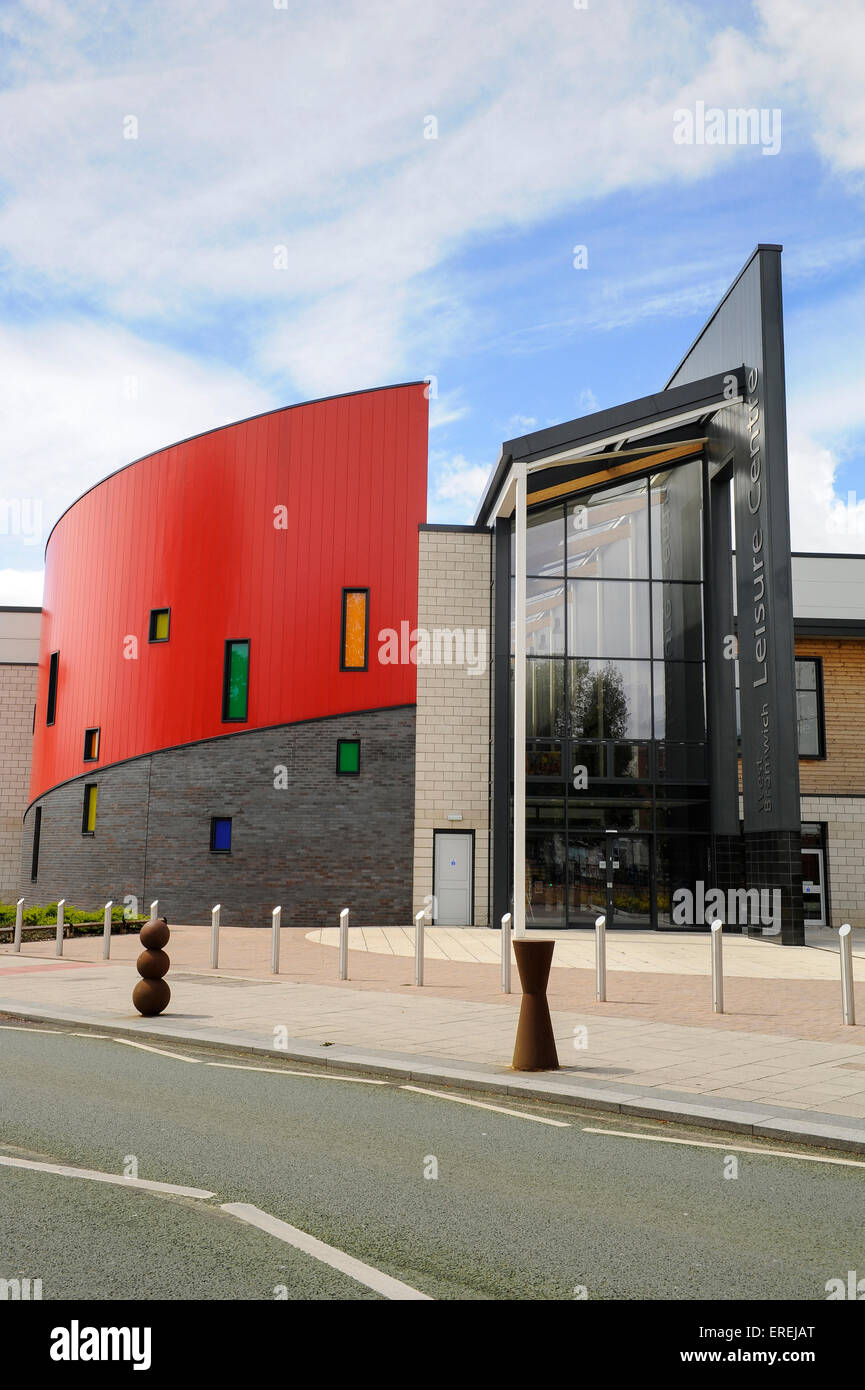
151,995
535,1047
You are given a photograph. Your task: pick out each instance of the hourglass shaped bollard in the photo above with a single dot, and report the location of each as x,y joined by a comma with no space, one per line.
151,995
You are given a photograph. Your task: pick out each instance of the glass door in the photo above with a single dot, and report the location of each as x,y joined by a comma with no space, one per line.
631,891
813,888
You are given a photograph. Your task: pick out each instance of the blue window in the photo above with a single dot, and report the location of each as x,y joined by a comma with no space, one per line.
220,834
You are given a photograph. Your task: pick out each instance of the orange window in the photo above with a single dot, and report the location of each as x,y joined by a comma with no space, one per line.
355,629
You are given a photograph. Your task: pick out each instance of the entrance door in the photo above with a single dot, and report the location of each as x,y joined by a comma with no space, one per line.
631,872
813,888
452,878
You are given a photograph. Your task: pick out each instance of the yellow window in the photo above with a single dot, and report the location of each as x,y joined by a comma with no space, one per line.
89,824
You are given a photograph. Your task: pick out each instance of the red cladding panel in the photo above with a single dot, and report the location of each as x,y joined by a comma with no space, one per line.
192,528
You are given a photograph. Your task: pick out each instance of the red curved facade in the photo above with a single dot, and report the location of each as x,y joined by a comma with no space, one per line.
191,528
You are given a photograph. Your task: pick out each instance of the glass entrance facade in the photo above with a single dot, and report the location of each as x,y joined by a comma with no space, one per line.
615,701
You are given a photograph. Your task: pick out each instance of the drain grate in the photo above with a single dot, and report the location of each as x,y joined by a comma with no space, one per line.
228,983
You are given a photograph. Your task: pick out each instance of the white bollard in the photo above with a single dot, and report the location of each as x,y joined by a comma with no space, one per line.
717,966
154,909
506,953
19,923
60,906
601,958
276,920
418,946
214,936
343,944
848,1002
106,931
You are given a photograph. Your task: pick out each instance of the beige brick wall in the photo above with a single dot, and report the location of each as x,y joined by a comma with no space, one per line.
844,817
17,697
453,731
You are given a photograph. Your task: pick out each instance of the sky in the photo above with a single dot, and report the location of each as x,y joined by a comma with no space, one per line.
211,209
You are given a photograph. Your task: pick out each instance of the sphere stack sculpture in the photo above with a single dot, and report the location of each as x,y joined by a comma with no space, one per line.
151,995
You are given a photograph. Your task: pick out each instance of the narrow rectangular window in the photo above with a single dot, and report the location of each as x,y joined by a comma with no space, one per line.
220,834
37,835
809,707
91,745
88,819
354,637
348,756
53,668
235,682
159,621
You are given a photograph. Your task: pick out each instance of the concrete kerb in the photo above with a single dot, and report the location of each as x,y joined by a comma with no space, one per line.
758,1120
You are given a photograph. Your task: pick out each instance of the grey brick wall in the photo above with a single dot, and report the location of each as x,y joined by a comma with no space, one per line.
321,843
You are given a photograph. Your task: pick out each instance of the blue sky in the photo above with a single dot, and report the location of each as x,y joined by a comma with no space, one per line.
207,210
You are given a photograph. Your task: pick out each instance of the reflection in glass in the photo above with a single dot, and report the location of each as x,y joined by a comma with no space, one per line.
587,892
544,760
545,543
545,880
632,881
608,533
545,812
681,861
608,619
677,621
545,617
545,698
677,522
680,713
609,699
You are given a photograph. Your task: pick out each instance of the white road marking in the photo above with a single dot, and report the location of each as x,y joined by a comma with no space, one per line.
178,1057
482,1105
728,1148
93,1175
285,1071
328,1254
21,1028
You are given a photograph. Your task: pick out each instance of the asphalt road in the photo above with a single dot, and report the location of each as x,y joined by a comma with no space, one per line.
520,1210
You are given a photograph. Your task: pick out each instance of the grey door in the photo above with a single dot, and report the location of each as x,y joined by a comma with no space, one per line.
452,879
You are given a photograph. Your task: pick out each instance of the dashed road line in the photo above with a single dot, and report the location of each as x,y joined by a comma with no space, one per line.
286,1071
116,1179
483,1105
365,1274
727,1148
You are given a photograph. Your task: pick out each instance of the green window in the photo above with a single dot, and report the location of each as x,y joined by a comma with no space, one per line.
88,820
348,755
235,686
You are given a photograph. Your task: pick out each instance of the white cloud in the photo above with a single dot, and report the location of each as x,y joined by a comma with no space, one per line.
457,485
21,588
78,401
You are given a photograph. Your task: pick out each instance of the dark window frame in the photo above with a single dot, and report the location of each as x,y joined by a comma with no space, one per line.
53,680
92,757
354,589
226,680
88,788
220,820
37,836
154,614
819,756
347,772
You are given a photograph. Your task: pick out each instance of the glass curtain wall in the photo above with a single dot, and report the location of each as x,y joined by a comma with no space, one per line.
615,701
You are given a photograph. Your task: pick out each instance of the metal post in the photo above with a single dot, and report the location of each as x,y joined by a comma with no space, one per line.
214,936
418,946
154,909
343,944
520,704
601,958
506,953
848,1003
106,931
19,923
276,916
60,906
717,966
